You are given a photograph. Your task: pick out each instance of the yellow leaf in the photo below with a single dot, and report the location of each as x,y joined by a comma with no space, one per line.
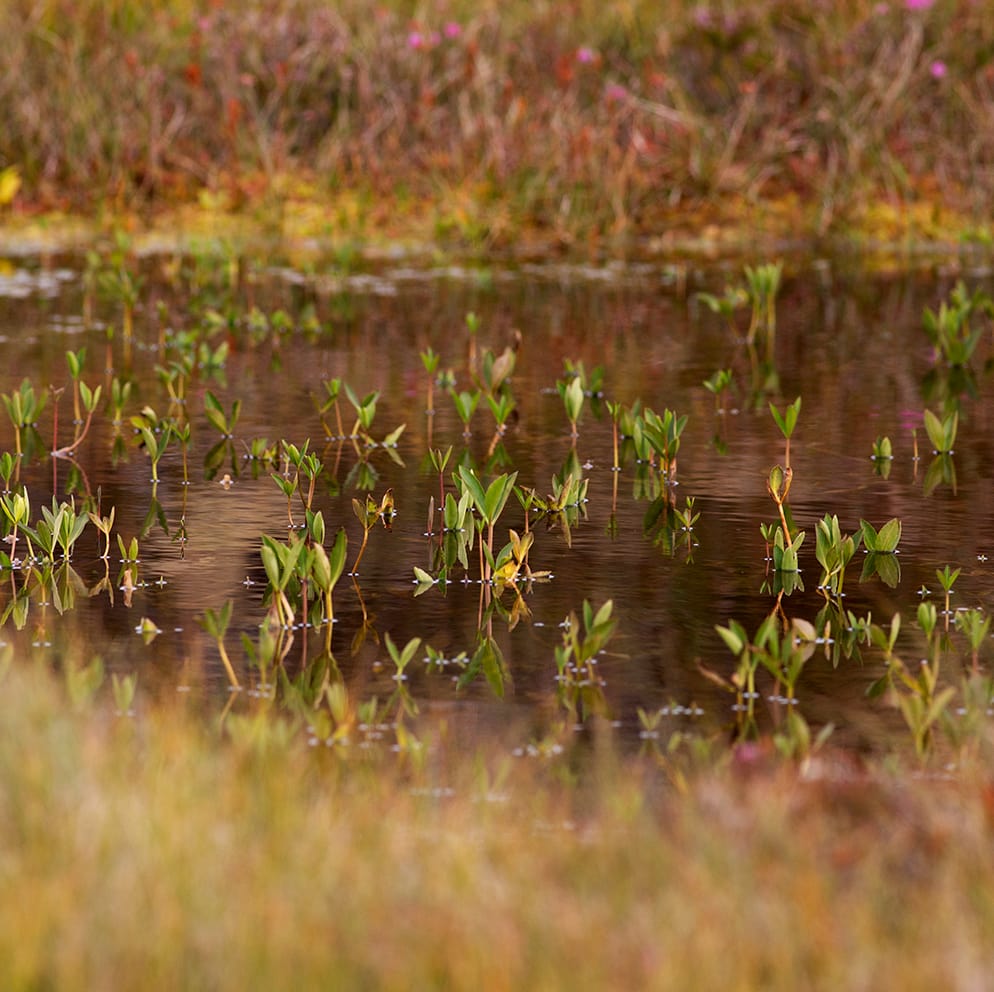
10,183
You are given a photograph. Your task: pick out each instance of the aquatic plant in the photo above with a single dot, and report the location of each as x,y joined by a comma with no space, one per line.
104,524
942,433
260,451
496,370
365,409
657,439
883,541
216,625
89,398
124,688
487,660
883,450
306,467
8,465
686,518
834,550
465,403
718,384
571,393
83,681
584,639
743,680
154,435
947,577
401,657
472,324
615,410
24,406
785,550
332,388
183,433
917,694
950,330
327,569
733,299
439,459
175,378
768,532
881,547
119,284
455,512
368,513
762,285
786,422
501,406
762,288
512,558
75,361
430,359
60,528
129,550
223,422
280,563
489,504
778,484
976,625
785,654
16,508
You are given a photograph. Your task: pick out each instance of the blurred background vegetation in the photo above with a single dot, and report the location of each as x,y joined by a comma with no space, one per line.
496,121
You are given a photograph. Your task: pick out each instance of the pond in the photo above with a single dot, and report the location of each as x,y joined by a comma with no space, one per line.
275,337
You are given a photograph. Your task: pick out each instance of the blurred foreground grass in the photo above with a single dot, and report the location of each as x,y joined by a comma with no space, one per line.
159,852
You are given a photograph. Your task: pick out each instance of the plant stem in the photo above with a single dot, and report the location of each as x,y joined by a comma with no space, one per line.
362,548
229,668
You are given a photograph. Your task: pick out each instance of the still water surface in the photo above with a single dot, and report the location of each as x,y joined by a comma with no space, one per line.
849,342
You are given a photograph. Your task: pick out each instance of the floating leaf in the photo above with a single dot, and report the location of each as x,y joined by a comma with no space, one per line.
885,540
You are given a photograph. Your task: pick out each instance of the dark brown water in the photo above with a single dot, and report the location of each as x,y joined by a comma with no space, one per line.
849,342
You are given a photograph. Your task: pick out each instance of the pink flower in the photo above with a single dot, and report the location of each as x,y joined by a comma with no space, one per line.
918,4
615,93
938,69
585,55
910,419
452,30
416,40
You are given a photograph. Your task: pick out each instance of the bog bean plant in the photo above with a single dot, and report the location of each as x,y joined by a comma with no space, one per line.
489,525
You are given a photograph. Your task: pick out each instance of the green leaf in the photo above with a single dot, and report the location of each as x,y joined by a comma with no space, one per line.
270,561
603,614
885,540
787,421
473,486
337,557
390,441
942,433
734,636
321,567
573,399
889,535
212,404
497,496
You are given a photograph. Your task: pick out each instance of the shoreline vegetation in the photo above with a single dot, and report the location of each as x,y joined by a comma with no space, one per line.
662,127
